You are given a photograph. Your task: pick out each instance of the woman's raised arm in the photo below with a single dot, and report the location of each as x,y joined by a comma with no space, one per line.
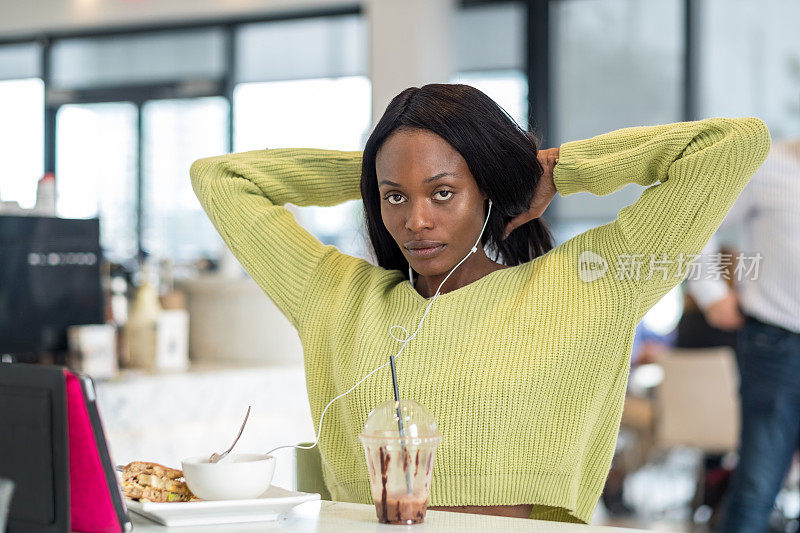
702,167
243,195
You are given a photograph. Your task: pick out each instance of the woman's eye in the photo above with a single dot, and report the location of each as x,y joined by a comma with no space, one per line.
389,196
445,192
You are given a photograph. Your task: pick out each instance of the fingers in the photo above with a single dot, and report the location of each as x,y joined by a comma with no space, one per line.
519,220
511,226
509,229
516,222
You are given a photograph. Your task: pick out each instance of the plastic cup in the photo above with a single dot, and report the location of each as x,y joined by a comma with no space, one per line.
400,468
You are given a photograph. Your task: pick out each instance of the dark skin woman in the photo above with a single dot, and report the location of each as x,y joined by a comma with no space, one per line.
429,207
444,214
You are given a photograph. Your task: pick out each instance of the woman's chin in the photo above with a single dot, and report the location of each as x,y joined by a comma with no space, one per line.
433,269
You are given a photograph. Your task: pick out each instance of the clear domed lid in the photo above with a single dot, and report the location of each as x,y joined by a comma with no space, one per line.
417,422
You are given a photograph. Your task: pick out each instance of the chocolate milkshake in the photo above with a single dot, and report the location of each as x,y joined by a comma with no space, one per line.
400,468
407,509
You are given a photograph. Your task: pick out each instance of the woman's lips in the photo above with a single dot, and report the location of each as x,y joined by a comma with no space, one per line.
426,252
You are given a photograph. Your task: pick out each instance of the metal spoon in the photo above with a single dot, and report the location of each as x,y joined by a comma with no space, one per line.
216,457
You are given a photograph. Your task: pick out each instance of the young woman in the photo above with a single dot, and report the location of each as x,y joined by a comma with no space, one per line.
523,357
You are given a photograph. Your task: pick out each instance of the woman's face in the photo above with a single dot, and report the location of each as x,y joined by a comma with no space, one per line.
427,193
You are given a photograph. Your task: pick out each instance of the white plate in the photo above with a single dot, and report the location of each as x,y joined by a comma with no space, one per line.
267,507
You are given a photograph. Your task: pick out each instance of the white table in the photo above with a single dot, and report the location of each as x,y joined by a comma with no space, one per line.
336,517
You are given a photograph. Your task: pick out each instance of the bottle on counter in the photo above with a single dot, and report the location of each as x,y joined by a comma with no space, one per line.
157,329
46,196
119,310
173,323
141,329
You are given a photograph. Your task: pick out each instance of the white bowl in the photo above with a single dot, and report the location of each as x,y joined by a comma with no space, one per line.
239,476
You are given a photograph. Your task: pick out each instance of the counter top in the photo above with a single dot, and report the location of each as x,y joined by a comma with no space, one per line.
337,517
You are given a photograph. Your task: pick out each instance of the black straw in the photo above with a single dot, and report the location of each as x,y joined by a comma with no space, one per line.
400,422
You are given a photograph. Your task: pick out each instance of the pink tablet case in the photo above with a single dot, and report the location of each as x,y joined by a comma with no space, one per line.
91,506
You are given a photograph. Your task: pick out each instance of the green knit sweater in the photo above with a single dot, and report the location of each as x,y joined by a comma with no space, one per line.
524,369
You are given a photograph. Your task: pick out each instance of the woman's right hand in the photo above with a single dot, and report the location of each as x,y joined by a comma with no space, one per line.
544,194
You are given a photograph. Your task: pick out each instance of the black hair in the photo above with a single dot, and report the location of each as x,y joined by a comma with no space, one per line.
501,156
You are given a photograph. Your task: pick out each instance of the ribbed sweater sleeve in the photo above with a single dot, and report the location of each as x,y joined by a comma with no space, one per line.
702,167
243,195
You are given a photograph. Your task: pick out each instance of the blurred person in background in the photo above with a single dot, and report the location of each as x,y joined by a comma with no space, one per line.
694,329
764,310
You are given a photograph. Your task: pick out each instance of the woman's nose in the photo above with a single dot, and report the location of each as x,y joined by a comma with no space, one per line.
419,217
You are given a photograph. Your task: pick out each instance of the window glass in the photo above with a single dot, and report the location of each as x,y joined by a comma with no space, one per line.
96,158
138,59
490,37
323,47
509,88
316,113
21,140
176,133
616,63
749,62
19,61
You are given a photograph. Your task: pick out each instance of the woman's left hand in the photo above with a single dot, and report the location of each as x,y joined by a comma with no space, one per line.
544,194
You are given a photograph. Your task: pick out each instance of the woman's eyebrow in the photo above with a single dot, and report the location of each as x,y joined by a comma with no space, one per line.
433,178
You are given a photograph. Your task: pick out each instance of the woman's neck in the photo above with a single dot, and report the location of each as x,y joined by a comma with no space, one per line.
470,270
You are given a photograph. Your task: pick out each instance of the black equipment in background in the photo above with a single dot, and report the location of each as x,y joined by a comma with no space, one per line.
49,279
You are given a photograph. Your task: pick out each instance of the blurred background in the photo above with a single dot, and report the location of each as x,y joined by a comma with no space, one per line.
109,264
